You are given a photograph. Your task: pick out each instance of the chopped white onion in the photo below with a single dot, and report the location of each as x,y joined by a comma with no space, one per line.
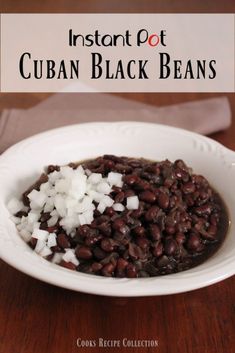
118,207
70,196
25,234
14,206
45,251
16,220
69,256
94,178
115,179
57,258
39,246
132,203
37,198
107,201
103,188
33,217
40,234
52,221
51,241
101,207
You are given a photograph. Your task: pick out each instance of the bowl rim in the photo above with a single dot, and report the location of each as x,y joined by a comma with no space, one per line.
51,273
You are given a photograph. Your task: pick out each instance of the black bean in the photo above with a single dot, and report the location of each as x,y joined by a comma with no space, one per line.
142,185
163,200
203,210
52,168
83,231
180,238
194,242
155,231
130,179
134,251
107,244
131,271
108,269
96,266
147,196
99,253
152,214
140,231
158,249
33,242
45,216
121,264
123,168
163,261
170,247
170,230
105,228
83,252
143,274
119,198
128,193
143,243
68,265
93,239
63,241
109,211
188,188
118,224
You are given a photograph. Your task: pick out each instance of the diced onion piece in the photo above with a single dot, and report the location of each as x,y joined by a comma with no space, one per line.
62,185
25,234
89,216
14,206
84,205
118,207
40,234
45,187
88,172
96,196
132,203
33,217
94,178
107,201
51,241
57,258
82,219
52,221
45,251
115,179
36,225
69,256
37,198
60,205
80,169
66,172
39,246
16,220
101,207
103,187
54,176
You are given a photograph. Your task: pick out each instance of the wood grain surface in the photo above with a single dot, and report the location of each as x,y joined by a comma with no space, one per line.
36,317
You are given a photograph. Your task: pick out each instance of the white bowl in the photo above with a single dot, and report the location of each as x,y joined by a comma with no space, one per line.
21,165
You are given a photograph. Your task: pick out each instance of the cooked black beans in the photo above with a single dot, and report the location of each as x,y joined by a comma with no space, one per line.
63,241
180,222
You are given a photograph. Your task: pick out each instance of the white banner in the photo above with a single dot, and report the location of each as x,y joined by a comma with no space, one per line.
117,52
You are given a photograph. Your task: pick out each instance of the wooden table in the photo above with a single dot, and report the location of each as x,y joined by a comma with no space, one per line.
37,317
